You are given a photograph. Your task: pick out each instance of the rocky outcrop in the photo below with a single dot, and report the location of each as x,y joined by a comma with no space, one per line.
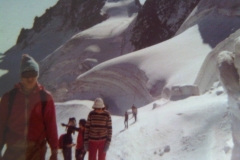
74,14
180,92
228,65
159,20
88,48
51,30
208,73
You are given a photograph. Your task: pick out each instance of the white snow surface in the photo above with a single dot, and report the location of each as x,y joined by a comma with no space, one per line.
196,128
145,73
157,61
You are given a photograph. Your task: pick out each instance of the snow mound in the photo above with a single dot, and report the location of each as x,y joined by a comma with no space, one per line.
195,128
139,77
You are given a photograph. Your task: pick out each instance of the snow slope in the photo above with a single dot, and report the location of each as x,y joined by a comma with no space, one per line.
195,128
140,77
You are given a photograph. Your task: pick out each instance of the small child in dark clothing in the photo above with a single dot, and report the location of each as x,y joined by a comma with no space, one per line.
67,144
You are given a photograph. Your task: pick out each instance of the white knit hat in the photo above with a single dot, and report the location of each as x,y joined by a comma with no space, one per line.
98,103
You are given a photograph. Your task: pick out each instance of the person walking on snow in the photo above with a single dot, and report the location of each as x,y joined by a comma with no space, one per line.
98,132
126,120
134,112
67,143
28,117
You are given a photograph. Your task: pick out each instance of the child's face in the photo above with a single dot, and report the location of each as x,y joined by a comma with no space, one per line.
80,125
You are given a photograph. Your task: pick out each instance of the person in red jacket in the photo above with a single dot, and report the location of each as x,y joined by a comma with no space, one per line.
27,122
80,151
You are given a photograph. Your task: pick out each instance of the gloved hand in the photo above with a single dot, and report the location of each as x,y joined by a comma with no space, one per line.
86,147
106,147
54,155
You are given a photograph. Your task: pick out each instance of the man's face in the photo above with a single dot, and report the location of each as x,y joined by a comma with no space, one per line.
29,79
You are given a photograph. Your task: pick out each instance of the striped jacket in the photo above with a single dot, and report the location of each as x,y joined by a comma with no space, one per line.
98,127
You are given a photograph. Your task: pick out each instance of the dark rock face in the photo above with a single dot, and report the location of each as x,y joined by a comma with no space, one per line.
74,14
86,13
158,20
23,35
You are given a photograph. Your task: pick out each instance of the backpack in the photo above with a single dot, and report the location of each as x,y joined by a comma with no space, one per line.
12,94
60,142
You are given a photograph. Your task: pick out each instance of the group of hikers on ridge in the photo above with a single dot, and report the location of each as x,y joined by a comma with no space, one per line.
28,122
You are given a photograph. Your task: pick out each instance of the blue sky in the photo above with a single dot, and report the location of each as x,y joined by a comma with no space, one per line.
18,14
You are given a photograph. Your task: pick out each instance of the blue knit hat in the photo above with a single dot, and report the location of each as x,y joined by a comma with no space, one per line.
29,64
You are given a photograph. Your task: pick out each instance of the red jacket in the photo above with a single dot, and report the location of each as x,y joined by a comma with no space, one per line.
26,120
80,140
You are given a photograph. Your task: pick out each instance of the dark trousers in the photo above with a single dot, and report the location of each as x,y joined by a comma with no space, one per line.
80,154
67,153
126,123
135,116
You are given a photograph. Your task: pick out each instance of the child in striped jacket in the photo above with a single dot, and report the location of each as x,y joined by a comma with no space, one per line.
98,131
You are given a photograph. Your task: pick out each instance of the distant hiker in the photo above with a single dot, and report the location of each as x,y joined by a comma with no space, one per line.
98,132
126,120
66,143
80,151
155,105
134,112
28,117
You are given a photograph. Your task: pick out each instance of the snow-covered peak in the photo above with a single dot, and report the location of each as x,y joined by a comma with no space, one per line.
161,71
